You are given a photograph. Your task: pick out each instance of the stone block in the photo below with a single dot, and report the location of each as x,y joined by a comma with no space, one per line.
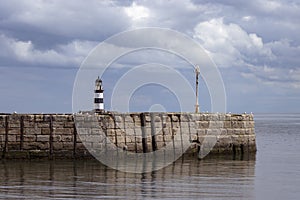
193,125
202,124
148,125
136,119
236,117
111,140
252,139
224,131
42,138
56,138
130,139
14,124
58,124
2,131
64,131
227,117
196,117
67,138
174,118
81,131
249,124
131,147
129,132
224,141
58,146
147,118
184,125
14,131
32,118
227,124
158,124
230,131
12,138
29,124
213,132
69,124
212,117
248,131
2,138
128,119
237,140
185,131
239,131
29,138
45,131
203,117
138,132
95,131
168,138
201,132
167,131
73,131
166,125
18,138
91,138
159,138
60,117
110,132
216,124
160,145
35,146
185,117
157,119
121,139
251,117
237,124
68,145
43,125
118,119
138,139
129,125
222,117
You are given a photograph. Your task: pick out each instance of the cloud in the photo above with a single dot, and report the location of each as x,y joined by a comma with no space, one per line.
56,20
136,12
25,52
275,64
230,45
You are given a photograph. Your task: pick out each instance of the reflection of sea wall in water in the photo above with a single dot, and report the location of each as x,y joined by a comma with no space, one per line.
186,178
55,135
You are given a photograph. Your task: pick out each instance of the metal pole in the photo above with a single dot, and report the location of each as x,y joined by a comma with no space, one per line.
197,71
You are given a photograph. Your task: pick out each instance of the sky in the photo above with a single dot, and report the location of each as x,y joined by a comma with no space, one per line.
255,45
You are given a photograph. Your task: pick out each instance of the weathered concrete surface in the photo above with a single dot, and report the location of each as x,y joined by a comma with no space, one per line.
56,135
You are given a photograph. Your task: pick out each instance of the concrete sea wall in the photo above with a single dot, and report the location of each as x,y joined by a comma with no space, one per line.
58,136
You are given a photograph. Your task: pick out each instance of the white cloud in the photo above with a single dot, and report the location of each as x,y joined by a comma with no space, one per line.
24,51
275,64
230,45
247,18
137,12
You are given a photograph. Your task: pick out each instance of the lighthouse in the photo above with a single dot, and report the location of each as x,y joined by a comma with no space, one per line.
98,98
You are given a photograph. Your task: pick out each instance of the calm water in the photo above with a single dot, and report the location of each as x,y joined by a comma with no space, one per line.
274,174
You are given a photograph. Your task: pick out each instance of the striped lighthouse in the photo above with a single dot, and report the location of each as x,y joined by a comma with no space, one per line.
98,99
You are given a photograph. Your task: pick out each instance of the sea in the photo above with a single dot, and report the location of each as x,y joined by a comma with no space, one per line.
273,173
